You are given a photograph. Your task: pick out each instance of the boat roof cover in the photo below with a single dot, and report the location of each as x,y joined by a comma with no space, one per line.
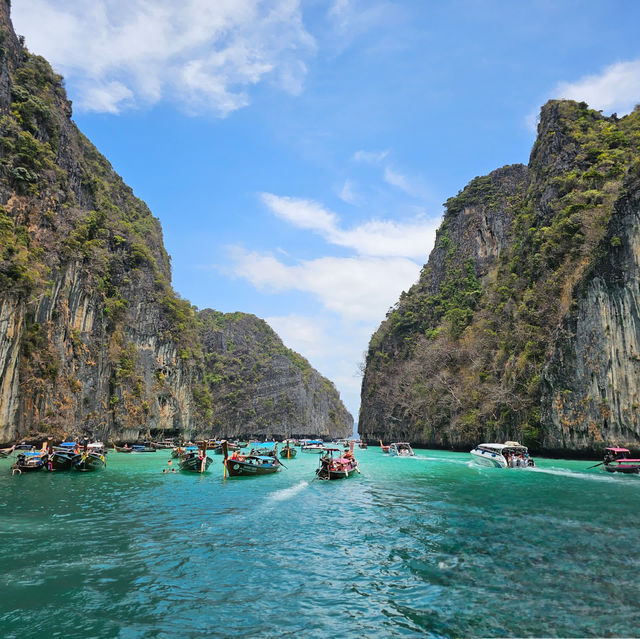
502,446
618,450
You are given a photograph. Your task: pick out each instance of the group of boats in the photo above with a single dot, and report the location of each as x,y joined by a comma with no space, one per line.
86,457
336,461
265,458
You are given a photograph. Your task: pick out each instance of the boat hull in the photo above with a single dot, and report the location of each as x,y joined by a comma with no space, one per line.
90,463
624,469
336,474
488,460
64,461
288,453
237,468
193,464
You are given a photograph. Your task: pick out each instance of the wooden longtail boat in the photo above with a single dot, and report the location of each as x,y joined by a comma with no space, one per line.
264,450
123,449
288,452
385,449
30,461
143,448
5,452
616,461
218,450
195,461
64,456
163,445
250,465
333,466
90,461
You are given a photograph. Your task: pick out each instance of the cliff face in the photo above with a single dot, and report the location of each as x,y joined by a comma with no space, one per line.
590,390
523,324
93,339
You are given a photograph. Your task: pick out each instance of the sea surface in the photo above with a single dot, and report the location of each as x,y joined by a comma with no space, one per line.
430,546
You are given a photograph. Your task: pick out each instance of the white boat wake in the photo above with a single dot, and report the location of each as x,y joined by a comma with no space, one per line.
573,474
287,493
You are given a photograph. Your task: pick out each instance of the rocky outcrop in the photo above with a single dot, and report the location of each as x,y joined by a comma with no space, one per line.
524,323
93,339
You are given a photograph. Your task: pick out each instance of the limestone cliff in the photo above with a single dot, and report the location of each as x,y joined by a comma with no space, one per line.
259,386
524,322
93,339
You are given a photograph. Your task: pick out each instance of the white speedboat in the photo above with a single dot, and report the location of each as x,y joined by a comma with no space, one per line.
401,449
507,455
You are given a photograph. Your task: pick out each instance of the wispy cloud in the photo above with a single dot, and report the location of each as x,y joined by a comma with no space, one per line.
370,157
379,238
203,55
348,194
358,289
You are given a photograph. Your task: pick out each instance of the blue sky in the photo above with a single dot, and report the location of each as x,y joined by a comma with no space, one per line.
298,152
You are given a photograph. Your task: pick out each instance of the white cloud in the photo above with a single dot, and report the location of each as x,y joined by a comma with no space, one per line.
303,334
304,214
380,238
370,157
615,88
399,180
356,288
203,55
347,193
108,98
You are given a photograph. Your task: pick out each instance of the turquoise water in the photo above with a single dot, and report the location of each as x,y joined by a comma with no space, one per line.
426,546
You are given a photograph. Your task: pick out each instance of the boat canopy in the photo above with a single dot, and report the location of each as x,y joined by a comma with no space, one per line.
618,450
498,448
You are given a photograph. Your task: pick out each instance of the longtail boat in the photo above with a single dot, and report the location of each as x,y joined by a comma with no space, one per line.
288,452
143,448
219,451
5,452
616,460
195,461
91,459
64,456
385,449
264,449
123,449
238,465
333,466
164,445
30,461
